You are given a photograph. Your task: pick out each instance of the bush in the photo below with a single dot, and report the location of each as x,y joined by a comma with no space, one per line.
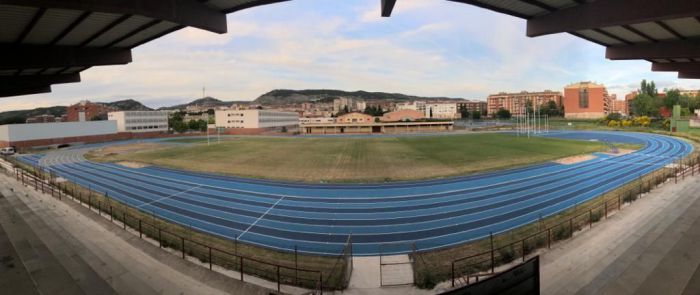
506,254
595,216
626,123
560,233
643,121
614,117
613,123
426,281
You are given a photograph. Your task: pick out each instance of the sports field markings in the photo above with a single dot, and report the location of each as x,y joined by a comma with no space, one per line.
261,217
169,196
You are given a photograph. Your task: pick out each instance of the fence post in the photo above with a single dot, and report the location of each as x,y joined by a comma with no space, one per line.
571,227
241,267
590,218
493,258
140,232
278,279
160,243
618,202
606,209
320,281
549,238
522,248
296,265
124,216
210,258
90,201
111,215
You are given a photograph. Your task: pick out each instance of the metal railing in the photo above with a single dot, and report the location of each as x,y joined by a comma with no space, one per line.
183,246
472,268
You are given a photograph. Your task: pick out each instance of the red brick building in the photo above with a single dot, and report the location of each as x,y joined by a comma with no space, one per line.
586,100
516,102
473,105
86,111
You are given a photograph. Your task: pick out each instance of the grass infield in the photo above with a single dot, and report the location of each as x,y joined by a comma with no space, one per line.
354,159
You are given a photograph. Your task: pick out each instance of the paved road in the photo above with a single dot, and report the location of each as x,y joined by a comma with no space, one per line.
319,218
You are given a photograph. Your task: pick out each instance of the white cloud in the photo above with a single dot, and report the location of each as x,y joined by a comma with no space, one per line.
426,48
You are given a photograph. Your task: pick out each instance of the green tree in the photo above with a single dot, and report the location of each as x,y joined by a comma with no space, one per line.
503,114
673,97
202,125
476,115
528,107
179,126
464,112
614,117
644,105
648,88
193,125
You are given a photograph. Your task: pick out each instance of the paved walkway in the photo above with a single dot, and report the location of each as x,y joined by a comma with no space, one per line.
652,247
47,247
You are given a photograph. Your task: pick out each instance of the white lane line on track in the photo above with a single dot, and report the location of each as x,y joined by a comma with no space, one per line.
170,196
261,217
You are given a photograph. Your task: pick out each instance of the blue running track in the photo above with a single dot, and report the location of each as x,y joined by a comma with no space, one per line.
318,218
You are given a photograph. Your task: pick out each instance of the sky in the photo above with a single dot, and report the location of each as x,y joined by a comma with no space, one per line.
427,48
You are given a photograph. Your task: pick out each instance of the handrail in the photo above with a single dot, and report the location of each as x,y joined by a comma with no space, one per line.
682,169
44,185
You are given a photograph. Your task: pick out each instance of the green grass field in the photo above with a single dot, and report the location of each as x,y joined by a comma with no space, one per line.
356,159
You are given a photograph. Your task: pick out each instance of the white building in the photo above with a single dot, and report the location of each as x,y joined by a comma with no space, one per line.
441,110
317,120
411,105
47,134
140,121
255,119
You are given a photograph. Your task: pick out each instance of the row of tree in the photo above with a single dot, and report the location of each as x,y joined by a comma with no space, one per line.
466,114
648,102
177,123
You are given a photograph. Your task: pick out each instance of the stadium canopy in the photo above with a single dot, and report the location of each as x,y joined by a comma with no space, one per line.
45,42
663,32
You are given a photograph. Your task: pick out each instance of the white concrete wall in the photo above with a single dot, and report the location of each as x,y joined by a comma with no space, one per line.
21,132
255,118
140,121
4,133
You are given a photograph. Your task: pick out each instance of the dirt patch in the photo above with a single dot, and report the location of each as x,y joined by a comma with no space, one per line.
113,151
575,159
620,152
132,164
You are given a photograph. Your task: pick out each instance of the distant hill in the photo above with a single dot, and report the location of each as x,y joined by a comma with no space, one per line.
128,105
285,96
208,102
20,116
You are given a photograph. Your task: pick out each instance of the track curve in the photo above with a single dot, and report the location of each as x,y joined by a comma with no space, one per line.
318,218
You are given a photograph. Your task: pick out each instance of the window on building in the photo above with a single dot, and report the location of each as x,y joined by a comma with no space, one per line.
583,98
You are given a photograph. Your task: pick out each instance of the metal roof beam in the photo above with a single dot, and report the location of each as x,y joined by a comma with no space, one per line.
185,12
387,7
675,66
662,50
489,7
38,56
598,14
15,91
38,80
689,75
252,4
